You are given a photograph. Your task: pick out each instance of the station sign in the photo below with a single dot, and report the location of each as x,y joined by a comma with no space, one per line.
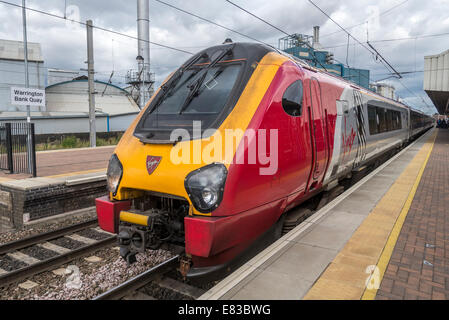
27,97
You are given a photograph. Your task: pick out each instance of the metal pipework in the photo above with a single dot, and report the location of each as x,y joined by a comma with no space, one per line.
316,34
143,34
143,30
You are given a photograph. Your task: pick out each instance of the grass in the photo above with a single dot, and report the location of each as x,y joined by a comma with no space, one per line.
71,142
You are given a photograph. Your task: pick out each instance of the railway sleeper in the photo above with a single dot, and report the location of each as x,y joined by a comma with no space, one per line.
180,287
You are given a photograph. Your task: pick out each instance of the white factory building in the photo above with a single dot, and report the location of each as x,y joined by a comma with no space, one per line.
67,105
12,71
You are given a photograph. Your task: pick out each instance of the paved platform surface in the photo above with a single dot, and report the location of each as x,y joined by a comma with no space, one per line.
419,265
67,161
342,252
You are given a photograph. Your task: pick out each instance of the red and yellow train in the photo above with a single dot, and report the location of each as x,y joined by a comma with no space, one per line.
236,137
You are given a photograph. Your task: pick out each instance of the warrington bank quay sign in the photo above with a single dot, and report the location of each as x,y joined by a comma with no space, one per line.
27,97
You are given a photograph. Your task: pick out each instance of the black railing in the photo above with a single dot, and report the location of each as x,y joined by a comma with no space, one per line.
17,147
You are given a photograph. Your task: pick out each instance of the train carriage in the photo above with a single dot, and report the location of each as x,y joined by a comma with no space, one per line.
236,137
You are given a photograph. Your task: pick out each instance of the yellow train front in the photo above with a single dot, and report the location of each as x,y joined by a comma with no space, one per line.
171,178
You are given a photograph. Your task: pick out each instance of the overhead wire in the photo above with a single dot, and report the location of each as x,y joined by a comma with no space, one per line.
385,62
95,27
279,29
216,24
362,23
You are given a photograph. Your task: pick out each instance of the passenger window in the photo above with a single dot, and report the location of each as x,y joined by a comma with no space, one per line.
381,113
383,120
389,119
373,120
292,99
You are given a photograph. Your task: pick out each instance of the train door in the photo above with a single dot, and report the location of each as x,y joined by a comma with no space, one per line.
295,152
319,128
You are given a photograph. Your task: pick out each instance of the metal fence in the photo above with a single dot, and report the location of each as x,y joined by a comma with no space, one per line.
17,148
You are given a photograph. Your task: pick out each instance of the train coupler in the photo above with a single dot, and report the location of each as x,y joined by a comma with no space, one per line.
128,256
125,240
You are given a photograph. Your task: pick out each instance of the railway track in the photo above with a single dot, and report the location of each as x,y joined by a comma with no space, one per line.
130,286
29,256
156,279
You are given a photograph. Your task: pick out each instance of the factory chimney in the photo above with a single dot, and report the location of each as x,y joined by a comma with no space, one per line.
316,38
141,79
143,56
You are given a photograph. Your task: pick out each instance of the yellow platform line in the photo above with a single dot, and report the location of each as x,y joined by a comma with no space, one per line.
384,259
348,275
69,174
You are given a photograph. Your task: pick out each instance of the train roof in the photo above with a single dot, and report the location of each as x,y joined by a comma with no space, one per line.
305,65
255,51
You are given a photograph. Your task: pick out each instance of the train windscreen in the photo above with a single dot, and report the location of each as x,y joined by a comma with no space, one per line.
204,90
181,105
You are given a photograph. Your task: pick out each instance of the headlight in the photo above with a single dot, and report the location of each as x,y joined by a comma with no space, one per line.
205,186
114,174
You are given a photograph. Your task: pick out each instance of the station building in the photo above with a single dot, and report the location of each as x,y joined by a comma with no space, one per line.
436,80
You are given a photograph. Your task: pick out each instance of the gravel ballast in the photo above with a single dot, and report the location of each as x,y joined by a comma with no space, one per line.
92,234
51,225
67,243
87,280
39,252
8,264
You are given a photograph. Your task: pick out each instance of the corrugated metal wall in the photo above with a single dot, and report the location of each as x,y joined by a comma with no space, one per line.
436,72
12,74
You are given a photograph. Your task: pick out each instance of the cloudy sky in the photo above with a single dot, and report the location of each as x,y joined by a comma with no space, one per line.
412,27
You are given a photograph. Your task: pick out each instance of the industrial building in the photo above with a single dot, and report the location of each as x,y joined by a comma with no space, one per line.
67,105
384,89
308,48
12,71
67,96
67,109
436,80
60,75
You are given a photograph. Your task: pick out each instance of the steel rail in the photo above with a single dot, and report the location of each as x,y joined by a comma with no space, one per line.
48,264
139,281
29,241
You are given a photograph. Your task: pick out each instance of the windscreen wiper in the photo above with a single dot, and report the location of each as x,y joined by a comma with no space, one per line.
174,80
195,87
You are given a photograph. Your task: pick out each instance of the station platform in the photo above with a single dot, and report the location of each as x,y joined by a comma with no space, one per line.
387,237
66,162
67,180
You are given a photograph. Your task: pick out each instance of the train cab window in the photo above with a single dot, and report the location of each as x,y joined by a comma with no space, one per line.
216,85
292,99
